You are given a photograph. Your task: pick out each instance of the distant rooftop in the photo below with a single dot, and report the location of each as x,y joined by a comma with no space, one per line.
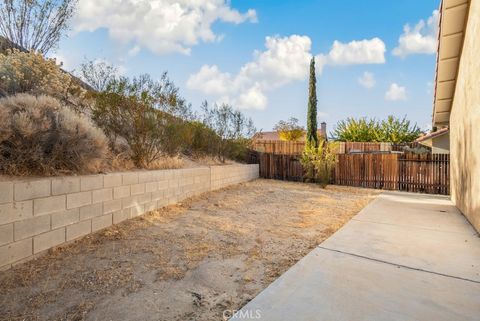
274,135
432,135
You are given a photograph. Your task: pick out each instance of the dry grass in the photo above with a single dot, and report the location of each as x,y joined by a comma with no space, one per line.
167,162
122,162
184,262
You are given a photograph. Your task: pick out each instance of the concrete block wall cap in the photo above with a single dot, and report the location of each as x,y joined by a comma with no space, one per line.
91,182
65,185
28,190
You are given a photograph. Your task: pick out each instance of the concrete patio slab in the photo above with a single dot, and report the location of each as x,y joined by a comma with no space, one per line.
404,257
436,212
328,285
418,231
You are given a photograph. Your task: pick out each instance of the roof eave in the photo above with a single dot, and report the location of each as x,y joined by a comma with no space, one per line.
452,25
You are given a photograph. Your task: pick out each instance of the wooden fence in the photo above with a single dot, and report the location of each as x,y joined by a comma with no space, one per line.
424,173
427,173
272,166
279,147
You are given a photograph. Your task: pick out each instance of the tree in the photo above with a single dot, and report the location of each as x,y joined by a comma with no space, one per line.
395,130
289,130
161,94
98,74
137,111
35,24
312,138
391,130
357,130
232,127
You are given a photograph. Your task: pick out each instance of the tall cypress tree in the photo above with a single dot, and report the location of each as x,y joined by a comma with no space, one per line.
312,138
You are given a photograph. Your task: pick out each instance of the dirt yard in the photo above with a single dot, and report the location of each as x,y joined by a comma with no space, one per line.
191,261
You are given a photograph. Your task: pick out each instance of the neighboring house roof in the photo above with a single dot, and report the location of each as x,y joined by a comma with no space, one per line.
267,136
452,25
433,135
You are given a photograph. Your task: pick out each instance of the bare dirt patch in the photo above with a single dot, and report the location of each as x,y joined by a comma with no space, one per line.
190,261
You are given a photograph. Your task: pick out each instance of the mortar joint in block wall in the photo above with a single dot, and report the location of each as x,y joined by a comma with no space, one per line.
38,214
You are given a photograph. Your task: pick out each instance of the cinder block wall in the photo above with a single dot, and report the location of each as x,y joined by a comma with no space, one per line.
38,214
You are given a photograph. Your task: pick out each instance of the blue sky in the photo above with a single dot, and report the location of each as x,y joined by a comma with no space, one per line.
218,51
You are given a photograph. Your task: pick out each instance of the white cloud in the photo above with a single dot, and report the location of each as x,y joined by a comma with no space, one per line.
284,60
134,51
367,80
357,52
163,26
210,80
422,39
253,98
396,92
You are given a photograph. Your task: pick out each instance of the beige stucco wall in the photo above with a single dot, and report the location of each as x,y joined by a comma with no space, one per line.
38,214
465,124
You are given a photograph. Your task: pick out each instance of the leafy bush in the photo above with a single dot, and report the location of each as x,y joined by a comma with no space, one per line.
357,130
391,130
30,72
199,140
395,130
139,112
233,128
319,162
290,130
39,135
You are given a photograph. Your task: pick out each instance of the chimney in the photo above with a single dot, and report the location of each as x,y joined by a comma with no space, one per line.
323,129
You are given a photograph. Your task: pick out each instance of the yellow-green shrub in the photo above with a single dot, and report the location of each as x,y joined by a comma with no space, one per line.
319,162
31,72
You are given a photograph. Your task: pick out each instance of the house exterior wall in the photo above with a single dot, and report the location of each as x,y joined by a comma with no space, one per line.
464,124
38,214
441,144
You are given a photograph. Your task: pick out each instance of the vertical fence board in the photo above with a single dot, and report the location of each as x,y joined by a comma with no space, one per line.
427,173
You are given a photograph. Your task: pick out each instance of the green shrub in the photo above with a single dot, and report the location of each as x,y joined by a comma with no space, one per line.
391,130
199,139
139,112
144,129
319,162
232,127
153,121
41,136
236,149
